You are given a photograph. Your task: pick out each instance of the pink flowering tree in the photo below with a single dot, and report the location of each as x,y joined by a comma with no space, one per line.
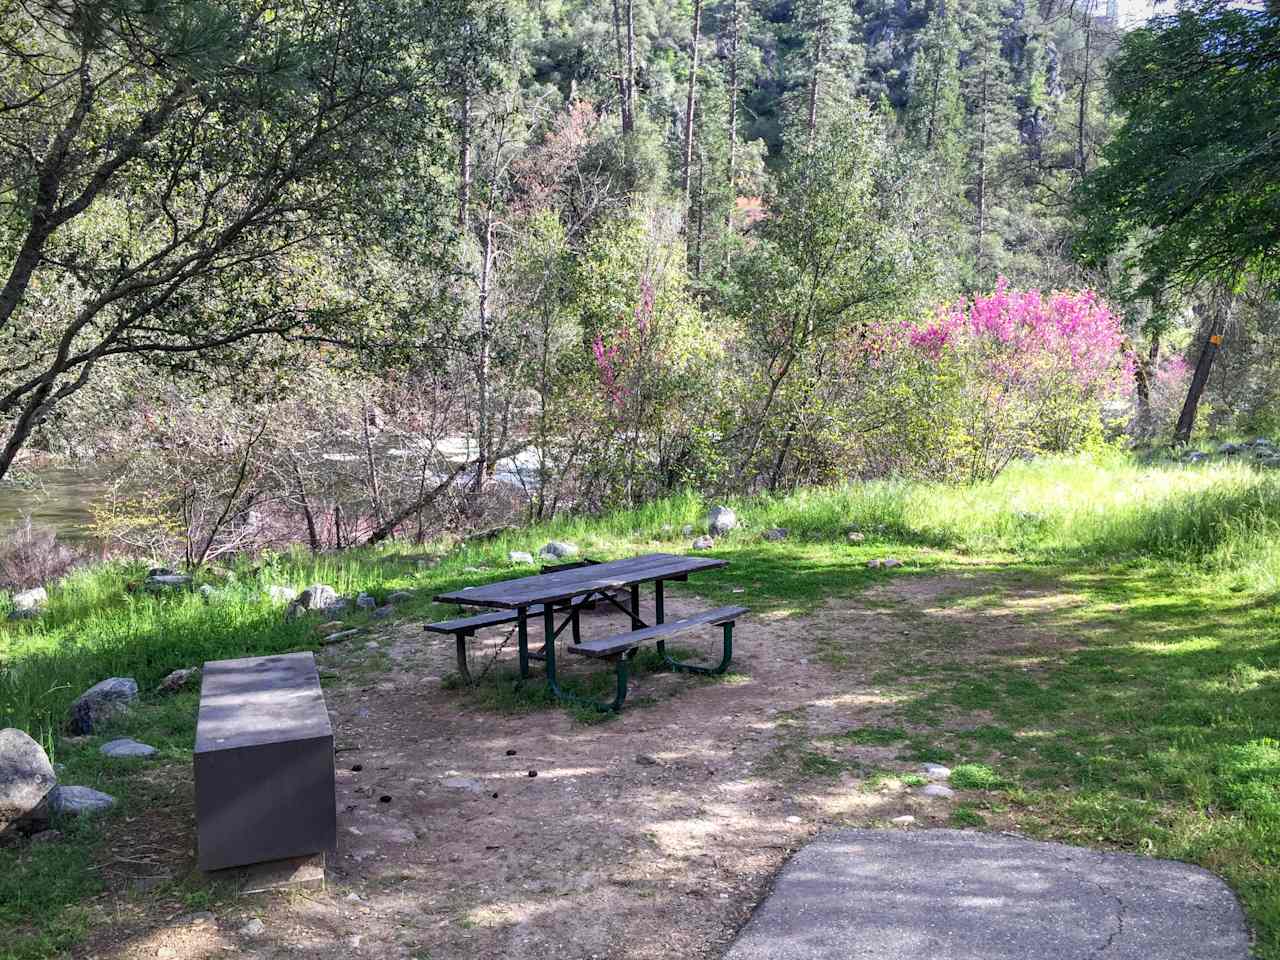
1006,375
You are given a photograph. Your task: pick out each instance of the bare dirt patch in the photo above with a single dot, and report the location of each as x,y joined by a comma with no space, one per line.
650,837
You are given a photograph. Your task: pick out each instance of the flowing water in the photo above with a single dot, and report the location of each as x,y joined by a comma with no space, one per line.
56,497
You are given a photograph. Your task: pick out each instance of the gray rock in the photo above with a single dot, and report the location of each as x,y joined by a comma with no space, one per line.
26,780
463,783
317,597
647,760
125,747
279,594
520,556
1230,449
341,636
558,550
776,534
703,543
936,771
366,602
904,821
161,572
161,583
178,679
330,628
77,801
29,613
686,530
721,520
337,610
46,836
399,596
254,928
1195,456
937,790
100,703
384,611
32,599
207,592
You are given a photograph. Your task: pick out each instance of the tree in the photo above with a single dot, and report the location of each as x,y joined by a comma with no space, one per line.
181,180
1188,189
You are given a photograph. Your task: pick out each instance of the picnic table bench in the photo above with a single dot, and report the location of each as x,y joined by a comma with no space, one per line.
569,590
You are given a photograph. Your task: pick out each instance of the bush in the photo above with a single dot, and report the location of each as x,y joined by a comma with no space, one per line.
32,555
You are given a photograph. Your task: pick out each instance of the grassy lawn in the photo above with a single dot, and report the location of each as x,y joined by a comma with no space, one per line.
1156,730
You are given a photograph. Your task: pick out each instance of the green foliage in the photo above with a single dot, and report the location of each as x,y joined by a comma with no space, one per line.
1189,176
975,776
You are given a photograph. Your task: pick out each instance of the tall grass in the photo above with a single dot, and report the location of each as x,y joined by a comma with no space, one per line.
1222,518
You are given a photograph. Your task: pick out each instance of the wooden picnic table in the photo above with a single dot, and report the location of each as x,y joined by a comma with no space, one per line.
568,590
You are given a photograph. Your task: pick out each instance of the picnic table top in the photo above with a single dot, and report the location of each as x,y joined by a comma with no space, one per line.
564,584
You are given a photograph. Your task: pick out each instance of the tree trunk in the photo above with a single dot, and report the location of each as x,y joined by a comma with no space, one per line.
631,63
624,85
685,173
1187,419
982,176
1084,91
731,174
818,37
464,158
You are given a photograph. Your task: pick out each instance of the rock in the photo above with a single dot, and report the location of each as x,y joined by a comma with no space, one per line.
874,564
161,572
558,550
341,636
101,702
76,801
463,783
937,790
384,611
317,597
33,599
890,562
330,628
904,821
856,536
371,645
721,520
776,534
279,594
936,771
366,602
686,530
1230,449
47,836
703,543
126,747
399,596
207,592
337,610
519,556
26,780
30,613
178,679
254,928
647,760
1195,456
164,582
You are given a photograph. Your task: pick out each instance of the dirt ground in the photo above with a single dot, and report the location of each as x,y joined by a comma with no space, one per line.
650,837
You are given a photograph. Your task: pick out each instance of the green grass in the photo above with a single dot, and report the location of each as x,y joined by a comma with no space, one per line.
1158,734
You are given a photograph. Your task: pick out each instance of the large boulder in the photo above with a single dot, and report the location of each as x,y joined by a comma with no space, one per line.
178,679
26,780
721,520
164,582
100,703
279,594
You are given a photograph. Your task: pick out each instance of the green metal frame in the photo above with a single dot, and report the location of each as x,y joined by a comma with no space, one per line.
621,662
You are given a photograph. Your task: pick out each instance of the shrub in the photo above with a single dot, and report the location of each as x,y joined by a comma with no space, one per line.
32,555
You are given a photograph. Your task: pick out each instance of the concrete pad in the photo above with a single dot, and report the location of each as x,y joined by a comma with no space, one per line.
962,895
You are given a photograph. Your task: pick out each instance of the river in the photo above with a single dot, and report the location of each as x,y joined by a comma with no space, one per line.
58,497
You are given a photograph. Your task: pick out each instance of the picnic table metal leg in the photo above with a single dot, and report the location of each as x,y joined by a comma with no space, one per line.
463,670
636,622
659,615
620,667
726,657
549,649
522,635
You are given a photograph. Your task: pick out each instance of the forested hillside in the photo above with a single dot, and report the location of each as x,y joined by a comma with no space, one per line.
332,275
